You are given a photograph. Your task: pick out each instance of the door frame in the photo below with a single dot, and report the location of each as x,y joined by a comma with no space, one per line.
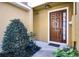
49,24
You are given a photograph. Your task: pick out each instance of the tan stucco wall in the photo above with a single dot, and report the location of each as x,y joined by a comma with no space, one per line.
9,12
41,22
76,27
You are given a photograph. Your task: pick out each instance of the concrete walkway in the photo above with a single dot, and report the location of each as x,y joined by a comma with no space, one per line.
46,50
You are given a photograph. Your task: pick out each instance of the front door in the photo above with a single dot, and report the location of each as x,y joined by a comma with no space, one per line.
58,26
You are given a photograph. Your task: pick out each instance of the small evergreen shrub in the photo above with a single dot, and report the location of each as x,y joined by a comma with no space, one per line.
16,41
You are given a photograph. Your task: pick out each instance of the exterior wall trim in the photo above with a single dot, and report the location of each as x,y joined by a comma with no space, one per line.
18,4
67,25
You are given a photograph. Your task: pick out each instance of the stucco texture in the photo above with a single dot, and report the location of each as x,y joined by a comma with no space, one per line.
76,26
9,12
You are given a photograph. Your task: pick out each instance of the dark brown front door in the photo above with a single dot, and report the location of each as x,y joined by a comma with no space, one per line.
56,26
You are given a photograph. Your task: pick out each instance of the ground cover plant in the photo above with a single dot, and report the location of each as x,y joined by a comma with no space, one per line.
66,52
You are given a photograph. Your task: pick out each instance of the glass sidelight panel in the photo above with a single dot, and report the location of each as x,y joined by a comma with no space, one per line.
64,26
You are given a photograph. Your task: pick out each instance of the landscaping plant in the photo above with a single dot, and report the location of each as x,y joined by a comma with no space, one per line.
66,52
16,41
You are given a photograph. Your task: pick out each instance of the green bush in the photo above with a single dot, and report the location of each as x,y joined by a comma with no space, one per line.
16,41
66,52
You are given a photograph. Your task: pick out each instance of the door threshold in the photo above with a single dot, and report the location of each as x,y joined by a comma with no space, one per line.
58,43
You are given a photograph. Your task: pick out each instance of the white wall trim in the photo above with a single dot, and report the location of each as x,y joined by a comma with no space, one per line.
67,24
18,4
